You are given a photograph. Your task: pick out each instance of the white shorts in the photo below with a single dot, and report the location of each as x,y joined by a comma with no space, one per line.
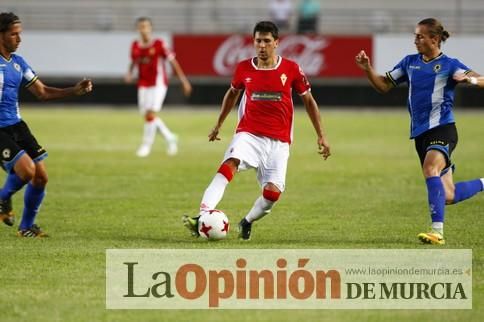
268,156
151,98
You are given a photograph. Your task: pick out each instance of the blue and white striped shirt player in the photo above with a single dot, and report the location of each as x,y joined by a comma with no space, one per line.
431,89
14,72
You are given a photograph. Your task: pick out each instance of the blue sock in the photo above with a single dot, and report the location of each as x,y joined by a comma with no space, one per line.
465,190
13,183
436,195
32,199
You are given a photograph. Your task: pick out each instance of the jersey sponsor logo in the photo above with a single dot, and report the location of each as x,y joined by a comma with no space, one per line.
438,142
283,79
437,68
266,96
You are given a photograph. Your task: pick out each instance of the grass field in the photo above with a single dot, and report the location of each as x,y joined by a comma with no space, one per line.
369,194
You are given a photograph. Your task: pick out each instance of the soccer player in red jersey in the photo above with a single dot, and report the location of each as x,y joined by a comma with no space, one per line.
148,55
265,127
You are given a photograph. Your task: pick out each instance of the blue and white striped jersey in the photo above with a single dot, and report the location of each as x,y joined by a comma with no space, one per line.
14,72
431,89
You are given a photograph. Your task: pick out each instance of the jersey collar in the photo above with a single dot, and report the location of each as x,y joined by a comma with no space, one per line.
431,60
279,60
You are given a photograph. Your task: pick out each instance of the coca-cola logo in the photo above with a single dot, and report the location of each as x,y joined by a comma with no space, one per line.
306,51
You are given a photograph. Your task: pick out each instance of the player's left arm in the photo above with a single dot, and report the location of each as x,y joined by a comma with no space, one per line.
46,93
315,117
186,86
471,78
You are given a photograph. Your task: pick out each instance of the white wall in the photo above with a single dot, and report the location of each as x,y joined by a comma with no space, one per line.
79,54
390,49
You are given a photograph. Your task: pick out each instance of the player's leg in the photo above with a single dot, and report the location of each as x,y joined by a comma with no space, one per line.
17,176
19,167
433,165
214,193
243,153
33,197
271,175
215,190
461,190
170,137
35,190
145,103
262,207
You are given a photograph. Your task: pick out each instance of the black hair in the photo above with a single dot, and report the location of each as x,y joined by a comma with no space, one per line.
267,26
143,19
435,28
7,19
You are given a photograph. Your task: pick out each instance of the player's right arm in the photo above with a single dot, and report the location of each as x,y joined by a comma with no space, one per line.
230,98
379,82
128,77
47,93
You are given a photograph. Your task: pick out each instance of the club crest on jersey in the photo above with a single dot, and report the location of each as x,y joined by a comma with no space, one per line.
16,66
6,153
437,68
152,51
283,79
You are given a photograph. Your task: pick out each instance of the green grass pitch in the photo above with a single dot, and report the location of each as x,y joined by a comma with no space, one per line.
369,194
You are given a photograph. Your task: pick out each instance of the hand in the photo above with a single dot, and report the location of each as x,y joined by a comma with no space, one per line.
213,135
83,87
128,78
323,147
362,60
187,88
462,78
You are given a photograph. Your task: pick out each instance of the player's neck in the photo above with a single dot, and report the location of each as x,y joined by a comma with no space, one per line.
268,63
145,40
5,54
432,55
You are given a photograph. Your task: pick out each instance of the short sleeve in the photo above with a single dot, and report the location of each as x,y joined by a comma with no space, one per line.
459,68
300,83
399,74
28,74
164,51
238,78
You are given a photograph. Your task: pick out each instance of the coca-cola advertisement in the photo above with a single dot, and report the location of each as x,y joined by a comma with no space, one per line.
320,56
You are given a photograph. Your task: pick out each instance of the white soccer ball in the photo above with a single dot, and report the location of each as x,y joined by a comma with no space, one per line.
213,225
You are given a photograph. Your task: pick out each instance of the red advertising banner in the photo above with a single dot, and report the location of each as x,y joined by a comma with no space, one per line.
320,56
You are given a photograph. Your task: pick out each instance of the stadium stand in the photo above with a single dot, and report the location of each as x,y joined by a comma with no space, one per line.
202,16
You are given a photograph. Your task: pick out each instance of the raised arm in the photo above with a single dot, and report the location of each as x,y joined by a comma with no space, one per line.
186,86
379,82
46,93
230,98
471,78
315,117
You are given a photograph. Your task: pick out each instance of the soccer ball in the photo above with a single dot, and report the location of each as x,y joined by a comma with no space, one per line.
213,225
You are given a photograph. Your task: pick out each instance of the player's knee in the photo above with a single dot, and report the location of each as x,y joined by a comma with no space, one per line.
449,195
430,170
40,180
25,169
227,170
271,195
150,116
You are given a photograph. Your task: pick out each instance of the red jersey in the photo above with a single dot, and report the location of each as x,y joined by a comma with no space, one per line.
266,107
150,62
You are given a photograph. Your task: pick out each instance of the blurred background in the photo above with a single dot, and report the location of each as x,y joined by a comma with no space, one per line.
64,40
